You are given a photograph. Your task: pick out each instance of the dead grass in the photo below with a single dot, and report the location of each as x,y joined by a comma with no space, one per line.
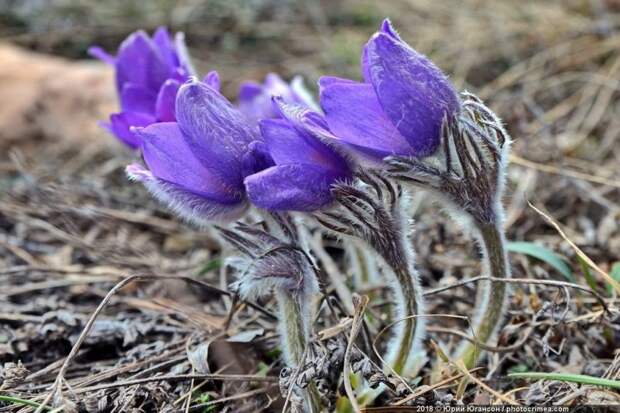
71,226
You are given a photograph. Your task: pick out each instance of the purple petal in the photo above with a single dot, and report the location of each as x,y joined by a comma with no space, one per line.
275,86
386,28
168,156
179,74
217,133
197,209
325,81
412,91
256,159
98,53
213,79
138,62
135,98
291,187
288,145
249,90
121,125
255,102
299,116
354,116
166,99
162,40
365,65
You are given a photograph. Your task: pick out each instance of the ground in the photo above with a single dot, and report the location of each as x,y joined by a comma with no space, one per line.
72,226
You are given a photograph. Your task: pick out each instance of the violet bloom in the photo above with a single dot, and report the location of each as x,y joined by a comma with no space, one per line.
305,167
196,165
149,72
400,106
255,99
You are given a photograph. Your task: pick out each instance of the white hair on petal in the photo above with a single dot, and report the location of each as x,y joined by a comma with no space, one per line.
192,208
299,88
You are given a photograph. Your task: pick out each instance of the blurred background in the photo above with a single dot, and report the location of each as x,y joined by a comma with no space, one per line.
549,68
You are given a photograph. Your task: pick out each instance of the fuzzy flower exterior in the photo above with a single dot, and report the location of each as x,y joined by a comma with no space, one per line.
255,99
196,166
399,107
305,166
149,73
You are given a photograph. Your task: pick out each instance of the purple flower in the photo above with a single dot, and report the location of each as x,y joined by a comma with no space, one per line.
400,106
255,99
305,167
149,72
196,165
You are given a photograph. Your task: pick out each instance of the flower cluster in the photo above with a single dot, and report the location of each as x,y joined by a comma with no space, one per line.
348,161
208,159
149,72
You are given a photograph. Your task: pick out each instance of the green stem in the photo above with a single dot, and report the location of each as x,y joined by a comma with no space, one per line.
405,351
294,331
573,378
16,400
409,330
363,265
492,297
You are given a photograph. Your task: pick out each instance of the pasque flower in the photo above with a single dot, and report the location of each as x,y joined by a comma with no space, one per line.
255,99
196,165
309,174
269,264
469,183
399,107
305,167
149,72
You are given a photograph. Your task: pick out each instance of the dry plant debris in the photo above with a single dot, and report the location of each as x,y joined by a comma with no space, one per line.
71,229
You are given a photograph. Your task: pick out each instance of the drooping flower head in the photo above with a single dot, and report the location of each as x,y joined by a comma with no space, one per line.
305,166
196,166
399,107
255,99
149,72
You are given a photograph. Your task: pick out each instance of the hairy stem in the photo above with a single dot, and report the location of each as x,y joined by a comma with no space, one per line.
405,354
404,350
492,296
294,333
292,328
363,266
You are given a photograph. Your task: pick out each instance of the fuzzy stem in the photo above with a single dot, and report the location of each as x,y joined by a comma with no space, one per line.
405,347
406,339
294,333
363,266
493,295
405,353
293,327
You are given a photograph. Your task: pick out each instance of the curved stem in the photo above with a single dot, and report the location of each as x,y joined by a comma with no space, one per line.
294,333
295,305
363,266
493,295
405,353
404,350
293,328
393,247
